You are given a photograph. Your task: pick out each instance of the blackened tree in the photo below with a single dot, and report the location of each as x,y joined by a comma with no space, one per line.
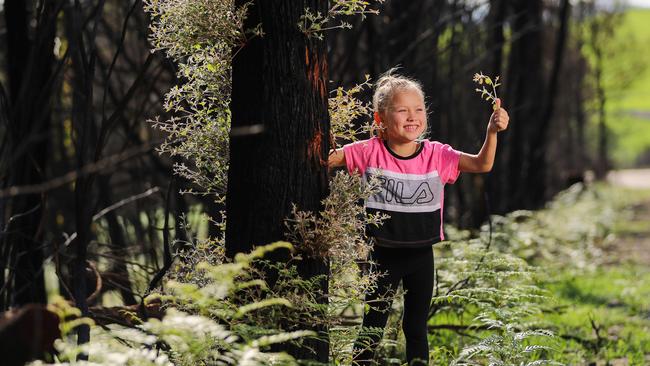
26,120
280,134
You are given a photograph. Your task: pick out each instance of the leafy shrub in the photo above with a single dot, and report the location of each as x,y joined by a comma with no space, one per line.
209,330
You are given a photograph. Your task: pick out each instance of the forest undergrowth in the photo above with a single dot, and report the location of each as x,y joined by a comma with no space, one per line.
554,286
588,249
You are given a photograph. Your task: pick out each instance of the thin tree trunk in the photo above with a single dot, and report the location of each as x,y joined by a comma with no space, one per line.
581,121
118,273
541,136
498,9
87,147
495,180
17,44
523,92
602,164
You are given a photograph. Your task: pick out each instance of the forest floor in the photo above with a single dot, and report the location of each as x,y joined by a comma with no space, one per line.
633,243
630,178
591,244
622,279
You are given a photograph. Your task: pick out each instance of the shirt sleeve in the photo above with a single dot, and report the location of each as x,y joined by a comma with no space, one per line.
356,156
448,159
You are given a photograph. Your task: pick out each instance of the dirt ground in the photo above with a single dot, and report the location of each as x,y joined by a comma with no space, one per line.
634,247
630,178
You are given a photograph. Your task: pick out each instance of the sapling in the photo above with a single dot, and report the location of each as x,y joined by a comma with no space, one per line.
489,95
314,24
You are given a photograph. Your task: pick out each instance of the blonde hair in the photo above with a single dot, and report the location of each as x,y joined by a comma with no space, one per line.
389,84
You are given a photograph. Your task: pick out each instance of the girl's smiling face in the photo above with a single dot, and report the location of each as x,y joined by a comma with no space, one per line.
405,119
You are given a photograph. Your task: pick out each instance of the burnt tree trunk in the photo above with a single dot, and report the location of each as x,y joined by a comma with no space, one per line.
600,32
279,139
524,87
118,275
493,182
30,64
541,136
87,143
602,161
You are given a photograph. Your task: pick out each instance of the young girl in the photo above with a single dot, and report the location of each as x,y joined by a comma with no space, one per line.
412,173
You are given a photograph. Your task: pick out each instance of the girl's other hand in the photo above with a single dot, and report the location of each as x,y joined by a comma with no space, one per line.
499,119
336,159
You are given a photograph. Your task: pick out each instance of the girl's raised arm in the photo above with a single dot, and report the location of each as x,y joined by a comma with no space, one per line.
483,161
336,159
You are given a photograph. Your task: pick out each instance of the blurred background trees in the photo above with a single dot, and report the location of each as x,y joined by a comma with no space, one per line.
547,53
78,85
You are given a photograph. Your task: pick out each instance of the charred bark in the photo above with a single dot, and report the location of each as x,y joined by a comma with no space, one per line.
524,87
118,275
541,136
88,149
279,89
27,118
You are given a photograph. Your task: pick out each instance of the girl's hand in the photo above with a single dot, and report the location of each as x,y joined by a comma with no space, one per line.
336,159
499,119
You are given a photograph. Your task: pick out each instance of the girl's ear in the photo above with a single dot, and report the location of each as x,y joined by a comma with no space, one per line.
379,128
377,118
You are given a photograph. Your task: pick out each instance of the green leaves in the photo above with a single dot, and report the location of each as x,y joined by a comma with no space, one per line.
499,289
345,108
260,305
204,324
199,36
280,338
181,27
314,24
489,95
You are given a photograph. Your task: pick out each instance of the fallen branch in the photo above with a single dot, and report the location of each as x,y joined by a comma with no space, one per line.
99,166
128,316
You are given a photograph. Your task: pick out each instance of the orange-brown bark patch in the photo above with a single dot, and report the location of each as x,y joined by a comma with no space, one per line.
315,72
314,150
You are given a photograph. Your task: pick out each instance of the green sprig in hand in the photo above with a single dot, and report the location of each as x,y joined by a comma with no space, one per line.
489,95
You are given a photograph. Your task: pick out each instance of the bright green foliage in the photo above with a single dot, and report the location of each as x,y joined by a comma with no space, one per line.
199,36
570,232
540,292
227,313
314,24
345,109
601,309
629,40
212,336
629,110
497,292
622,38
180,27
615,299
508,348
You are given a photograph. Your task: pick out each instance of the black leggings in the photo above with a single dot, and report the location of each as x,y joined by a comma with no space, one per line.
414,267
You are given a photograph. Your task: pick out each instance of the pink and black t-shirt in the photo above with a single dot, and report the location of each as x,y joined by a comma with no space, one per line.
412,189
